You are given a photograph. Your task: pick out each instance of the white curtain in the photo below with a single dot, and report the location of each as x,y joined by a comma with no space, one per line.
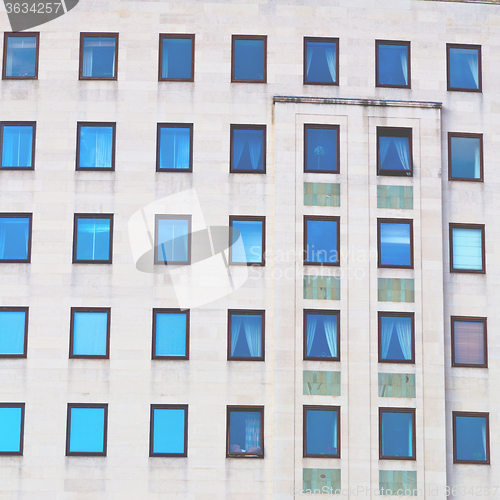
335,442
311,332
386,335
252,433
401,144
410,436
2,238
90,48
330,60
236,322
483,435
403,329
472,61
164,62
181,144
467,248
477,160
238,145
253,331
384,143
103,149
330,326
255,148
310,50
404,64
88,57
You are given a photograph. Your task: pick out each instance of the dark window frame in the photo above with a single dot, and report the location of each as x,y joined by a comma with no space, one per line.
164,36
337,57
21,443
308,126
401,43
241,312
79,125
4,65
479,67
251,408
74,310
157,310
330,312
18,215
395,314
485,415
233,127
453,225
470,136
161,126
304,249
395,132
469,319
78,216
159,217
68,430
379,248
304,430
233,218
248,37
26,322
151,429
18,124
412,411
80,64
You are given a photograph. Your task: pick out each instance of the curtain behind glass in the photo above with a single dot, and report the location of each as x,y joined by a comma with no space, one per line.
312,321
174,148
403,330
17,146
253,333
236,322
387,324
330,326
95,52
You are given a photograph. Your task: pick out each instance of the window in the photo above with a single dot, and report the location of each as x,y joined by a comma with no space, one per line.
396,337
176,58
170,334
93,239
248,149
394,151
89,332
98,56
17,144
321,148
322,431
20,56
321,240
245,431
15,237
95,146
464,67
248,61
175,147
392,61
465,157
13,332
247,240
168,433
468,342
395,243
321,61
322,335
246,335
467,253
11,428
471,438
87,427
397,433
173,239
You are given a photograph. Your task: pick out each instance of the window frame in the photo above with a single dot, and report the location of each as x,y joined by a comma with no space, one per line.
304,430
469,319
161,126
4,62
78,216
159,217
239,126
74,310
151,429
329,218
453,225
379,244
320,126
79,125
18,124
401,43
395,132
164,36
253,312
22,406
18,215
479,67
248,37
240,408
396,314
80,64
26,322
260,218
68,430
304,57
170,311
330,312
412,411
452,135
486,415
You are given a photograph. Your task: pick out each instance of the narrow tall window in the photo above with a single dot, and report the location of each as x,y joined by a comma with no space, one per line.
174,147
395,243
245,432
397,433
95,146
321,148
20,56
468,342
465,157
86,431
396,337
248,61
176,58
321,61
467,252
168,435
322,431
392,61
17,145
394,151
246,335
322,335
173,239
93,238
11,428
89,332
98,56
321,240
170,334
471,438
248,149
247,240
13,332
464,67
15,237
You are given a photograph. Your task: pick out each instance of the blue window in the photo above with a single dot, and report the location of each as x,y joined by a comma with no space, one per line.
248,240
20,55
86,432
15,237
11,428
467,248
464,67
465,156
168,431
170,334
322,431
395,239
321,61
89,337
173,239
175,147
248,149
321,335
397,433
396,338
95,146
246,335
245,433
13,332
468,342
393,63
93,236
177,58
394,151
321,240
249,59
471,438
17,144
321,148
98,56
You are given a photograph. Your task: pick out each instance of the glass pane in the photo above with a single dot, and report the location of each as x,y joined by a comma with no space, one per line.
465,157
321,149
321,62
12,331
471,438
87,430
14,235
468,339
10,429
246,335
90,333
467,248
392,64
394,153
21,56
247,151
249,248
17,146
174,147
92,240
168,430
176,58
397,434
96,147
98,57
172,240
170,334
395,247
321,335
321,431
464,68
322,245
396,338
248,59
244,432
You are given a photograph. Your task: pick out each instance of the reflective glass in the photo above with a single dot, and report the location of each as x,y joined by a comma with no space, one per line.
175,148
17,146
321,335
321,429
170,334
93,239
395,244
465,157
247,246
172,240
21,56
99,57
246,335
245,432
248,151
248,59
12,332
397,434
10,429
168,431
87,430
471,444
321,149
176,58
14,238
90,333
322,244
321,62
467,248
392,64
468,342
96,147
464,68
396,338
394,153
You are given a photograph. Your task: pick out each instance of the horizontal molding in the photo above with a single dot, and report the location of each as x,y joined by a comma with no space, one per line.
355,102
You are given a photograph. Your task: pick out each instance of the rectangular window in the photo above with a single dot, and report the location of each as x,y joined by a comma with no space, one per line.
17,145
321,148
395,243
170,334
248,149
464,67
245,432
322,431
15,237
465,157
397,433
95,146
98,56
471,438
174,147
322,335
321,240
394,151
248,61
11,428
168,431
87,428
176,58
247,240
246,335
467,252
93,238
468,342
13,332
392,62
173,239
321,61
396,337
20,56
89,332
